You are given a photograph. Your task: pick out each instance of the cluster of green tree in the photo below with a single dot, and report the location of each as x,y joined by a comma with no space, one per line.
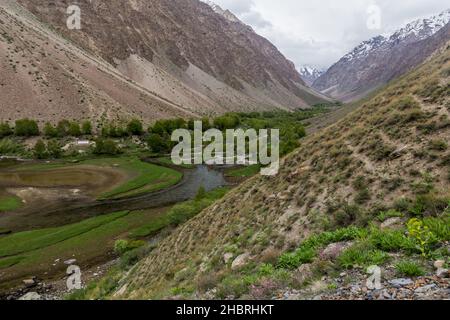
66,128
51,150
133,128
106,147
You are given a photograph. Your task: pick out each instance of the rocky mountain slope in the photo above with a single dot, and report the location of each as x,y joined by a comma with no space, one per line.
45,77
201,61
310,74
379,60
392,160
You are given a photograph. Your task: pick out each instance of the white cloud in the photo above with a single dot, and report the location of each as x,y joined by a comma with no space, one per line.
320,32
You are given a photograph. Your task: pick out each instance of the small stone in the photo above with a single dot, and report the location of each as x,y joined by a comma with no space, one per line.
227,257
442,273
391,222
240,261
401,282
343,274
333,250
425,289
439,264
31,296
70,262
29,282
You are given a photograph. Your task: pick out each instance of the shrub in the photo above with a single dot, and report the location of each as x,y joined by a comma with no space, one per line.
438,145
135,127
54,149
5,130
123,246
50,131
383,216
62,128
10,147
409,269
74,129
40,150
106,146
362,255
86,128
26,128
421,234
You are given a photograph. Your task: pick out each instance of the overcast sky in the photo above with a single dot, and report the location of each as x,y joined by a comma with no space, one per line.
320,32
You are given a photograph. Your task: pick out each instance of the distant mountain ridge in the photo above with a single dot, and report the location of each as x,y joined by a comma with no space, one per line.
375,62
201,58
310,74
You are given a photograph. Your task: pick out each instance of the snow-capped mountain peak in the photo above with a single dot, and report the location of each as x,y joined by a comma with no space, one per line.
414,31
310,74
227,14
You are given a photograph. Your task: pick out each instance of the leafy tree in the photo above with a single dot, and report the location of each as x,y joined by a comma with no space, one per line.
74,129
54,149
86,128
62,128
157,143
26,128
229,121
106,146
50,131
5,130
135,128
40,150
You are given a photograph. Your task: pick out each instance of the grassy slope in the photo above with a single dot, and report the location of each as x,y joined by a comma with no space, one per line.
148,177
9,203
145,177
26,253
345,174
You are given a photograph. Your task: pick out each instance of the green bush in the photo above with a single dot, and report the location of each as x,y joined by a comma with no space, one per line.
5,130
26,128
135,128
86,128
10,147
409,269
50,131
106,147
74,129
40,150
362,255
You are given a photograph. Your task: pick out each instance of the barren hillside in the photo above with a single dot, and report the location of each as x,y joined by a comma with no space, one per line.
184,52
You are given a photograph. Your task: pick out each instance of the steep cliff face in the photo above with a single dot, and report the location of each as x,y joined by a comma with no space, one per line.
185,51
379,60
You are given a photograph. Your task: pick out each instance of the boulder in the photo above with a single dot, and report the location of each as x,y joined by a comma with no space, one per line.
227,257
332,251
240,261
390,223
31,296
401,282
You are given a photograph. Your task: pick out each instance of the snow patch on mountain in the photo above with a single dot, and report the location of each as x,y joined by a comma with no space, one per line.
227,14
310,74
415,31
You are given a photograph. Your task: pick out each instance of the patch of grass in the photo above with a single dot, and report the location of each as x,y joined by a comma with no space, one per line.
179,214
148,177
244,172
438,145
21,242
9,262
362,255
409,269
308,250
10,203
383,216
